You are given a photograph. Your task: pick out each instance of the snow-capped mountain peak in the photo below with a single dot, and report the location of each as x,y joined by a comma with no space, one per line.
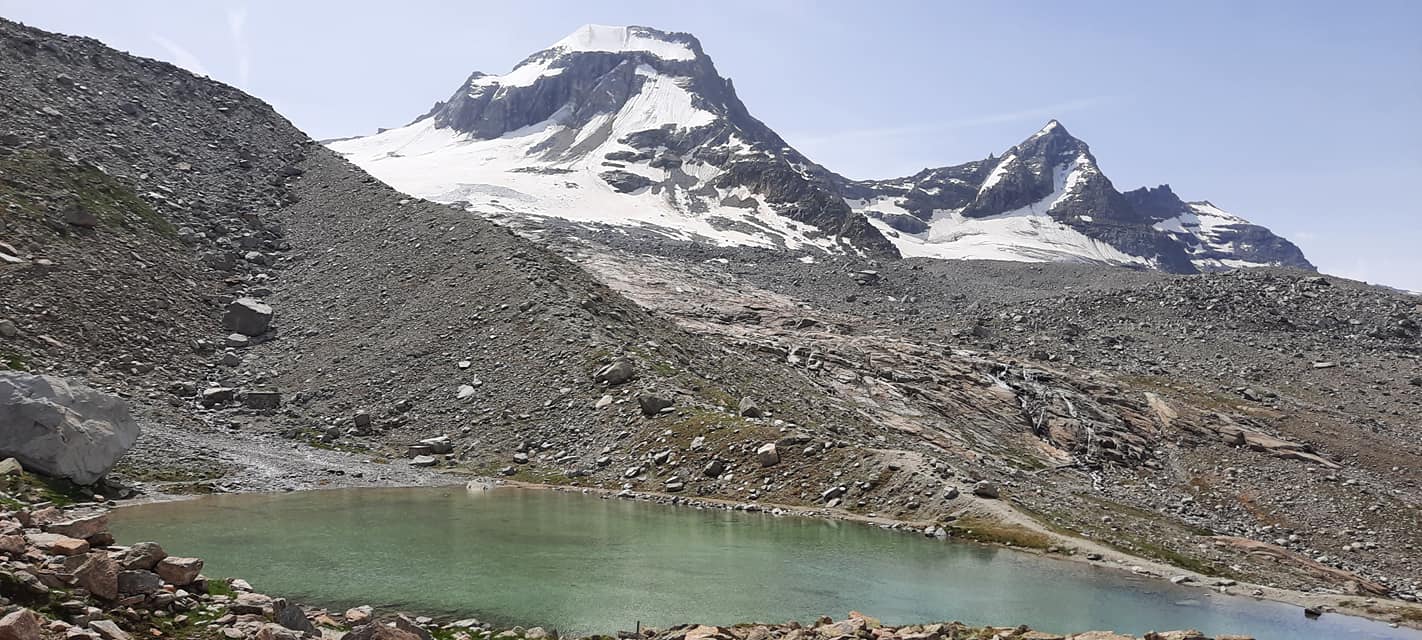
621,126
634,127
607,39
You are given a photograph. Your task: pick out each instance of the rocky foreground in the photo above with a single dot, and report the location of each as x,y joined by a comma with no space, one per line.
64,576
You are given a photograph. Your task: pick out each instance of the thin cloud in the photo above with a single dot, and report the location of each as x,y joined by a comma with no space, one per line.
1036,113
181,57
236,25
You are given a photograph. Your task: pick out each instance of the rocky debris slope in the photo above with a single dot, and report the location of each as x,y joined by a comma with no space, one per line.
295,296
62,429
139,199
999,372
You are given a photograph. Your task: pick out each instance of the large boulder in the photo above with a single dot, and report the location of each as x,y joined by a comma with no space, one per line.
62,429
247,316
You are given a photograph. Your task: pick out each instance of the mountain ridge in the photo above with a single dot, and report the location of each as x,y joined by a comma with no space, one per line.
635,126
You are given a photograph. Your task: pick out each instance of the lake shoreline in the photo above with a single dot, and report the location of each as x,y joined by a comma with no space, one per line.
1080,551
1110,558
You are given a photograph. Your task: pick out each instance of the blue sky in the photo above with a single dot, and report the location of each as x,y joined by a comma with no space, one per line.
1303,116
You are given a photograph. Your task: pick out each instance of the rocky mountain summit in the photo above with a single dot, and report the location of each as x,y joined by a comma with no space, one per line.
634,126
1047,199
618,125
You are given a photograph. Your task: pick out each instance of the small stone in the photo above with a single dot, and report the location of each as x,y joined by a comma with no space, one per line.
651,405
617,372
985,489
749,409
767,455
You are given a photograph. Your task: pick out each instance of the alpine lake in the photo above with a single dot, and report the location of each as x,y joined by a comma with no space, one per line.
587,564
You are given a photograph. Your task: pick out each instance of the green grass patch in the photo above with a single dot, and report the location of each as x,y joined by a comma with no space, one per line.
13,361
31,179
29,488
995,532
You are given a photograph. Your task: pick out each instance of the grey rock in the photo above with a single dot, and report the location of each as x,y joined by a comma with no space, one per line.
262,399
142,556
178,570
749,409
139,581
651,404
247,316
292,617
62,429
108,630
625,181
617,372
767,455
985,489
217,396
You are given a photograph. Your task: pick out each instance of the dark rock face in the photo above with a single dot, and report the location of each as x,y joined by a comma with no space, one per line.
625,181
1248,242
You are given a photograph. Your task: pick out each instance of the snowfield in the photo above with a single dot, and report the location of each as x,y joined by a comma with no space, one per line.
1022,235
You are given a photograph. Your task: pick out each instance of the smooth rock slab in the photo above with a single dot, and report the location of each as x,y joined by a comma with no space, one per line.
83,527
